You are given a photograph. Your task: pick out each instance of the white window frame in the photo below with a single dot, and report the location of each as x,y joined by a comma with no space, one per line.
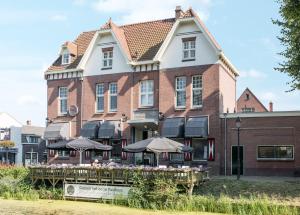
31,158
275,159
112,94
99,96
60,100
194,89
180,90
148,93
189,49
65,57
107,57
63,153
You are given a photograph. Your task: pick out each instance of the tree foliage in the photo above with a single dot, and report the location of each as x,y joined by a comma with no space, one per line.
290,39
7,144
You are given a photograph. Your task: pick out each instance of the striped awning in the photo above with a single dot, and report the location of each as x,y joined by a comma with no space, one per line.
197,127
90,129
56,131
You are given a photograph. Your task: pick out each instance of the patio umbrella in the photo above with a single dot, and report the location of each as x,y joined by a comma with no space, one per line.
82,144
157,145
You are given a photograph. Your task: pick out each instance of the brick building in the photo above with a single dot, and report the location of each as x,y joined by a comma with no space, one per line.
248,102
122,84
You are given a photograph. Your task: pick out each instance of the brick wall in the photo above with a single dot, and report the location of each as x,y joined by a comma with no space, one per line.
265,131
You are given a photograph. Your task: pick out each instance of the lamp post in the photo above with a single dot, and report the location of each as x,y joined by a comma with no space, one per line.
238,125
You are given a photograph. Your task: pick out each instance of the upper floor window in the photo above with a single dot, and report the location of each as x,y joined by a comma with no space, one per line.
63,100
189,48
99,97
113,97
66,58
197,91
107,54
32,139
180,92
146,93
248,110
247,96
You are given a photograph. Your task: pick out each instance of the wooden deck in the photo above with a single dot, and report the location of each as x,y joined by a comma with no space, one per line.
114,176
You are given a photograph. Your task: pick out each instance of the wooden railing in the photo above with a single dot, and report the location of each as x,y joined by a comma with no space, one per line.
115,175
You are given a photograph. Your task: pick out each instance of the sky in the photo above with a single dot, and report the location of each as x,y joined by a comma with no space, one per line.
33,31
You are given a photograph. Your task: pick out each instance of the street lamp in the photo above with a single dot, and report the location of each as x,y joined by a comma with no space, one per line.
238,125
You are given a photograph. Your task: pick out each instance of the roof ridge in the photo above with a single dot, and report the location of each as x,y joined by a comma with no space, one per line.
145,22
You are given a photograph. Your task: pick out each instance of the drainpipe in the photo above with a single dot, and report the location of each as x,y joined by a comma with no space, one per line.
225,145
81,101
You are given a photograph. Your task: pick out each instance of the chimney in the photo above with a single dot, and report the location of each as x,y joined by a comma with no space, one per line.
178,12
271,107
28,122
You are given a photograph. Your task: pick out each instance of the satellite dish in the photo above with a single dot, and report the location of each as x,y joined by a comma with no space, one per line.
73,110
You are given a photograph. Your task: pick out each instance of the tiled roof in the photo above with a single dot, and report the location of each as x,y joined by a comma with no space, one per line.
139,41
82,42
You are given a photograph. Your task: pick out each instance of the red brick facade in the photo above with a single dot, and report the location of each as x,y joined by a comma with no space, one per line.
248,102
263,130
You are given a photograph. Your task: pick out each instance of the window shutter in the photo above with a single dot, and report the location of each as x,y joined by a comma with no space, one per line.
105,153
72,153
124,154
188,155
211,149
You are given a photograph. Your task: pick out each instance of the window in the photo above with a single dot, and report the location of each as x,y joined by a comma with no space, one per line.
247,96
63,153
248,110
176,156
99,97
32,139
107,58
200,149
63,100
146,93
180,92
31,158
189,48
113,97
278,152
197,91
66,57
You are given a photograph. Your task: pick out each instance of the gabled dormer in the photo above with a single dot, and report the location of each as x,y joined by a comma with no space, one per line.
68,53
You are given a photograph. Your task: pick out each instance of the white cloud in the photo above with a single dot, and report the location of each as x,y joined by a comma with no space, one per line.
59,17
136,10
252,73
79,2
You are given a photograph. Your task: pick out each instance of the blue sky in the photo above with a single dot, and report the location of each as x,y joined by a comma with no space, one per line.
32,32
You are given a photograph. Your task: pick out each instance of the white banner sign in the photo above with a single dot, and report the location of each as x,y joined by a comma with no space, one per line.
95,191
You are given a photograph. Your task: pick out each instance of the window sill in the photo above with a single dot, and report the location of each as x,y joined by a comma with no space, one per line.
99,112
196,108
274,159
112,111
106,68
146,107
186,60
62,114
179,108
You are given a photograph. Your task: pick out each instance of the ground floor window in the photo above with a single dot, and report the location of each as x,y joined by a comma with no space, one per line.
97,155
63,153
277,152
176,156
200,149
31,158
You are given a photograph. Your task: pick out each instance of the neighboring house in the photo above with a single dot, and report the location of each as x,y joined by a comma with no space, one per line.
134,80
30,143
6,123
248,102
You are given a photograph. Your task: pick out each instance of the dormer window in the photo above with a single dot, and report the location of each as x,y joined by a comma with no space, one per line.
189,49
66,58
107,54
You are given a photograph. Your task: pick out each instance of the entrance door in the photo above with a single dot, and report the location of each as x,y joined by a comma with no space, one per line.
234,159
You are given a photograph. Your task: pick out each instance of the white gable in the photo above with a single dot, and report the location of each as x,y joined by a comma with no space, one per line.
94,63
205,52
7,121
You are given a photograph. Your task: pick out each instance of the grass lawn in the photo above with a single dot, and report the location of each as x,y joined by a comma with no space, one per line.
282,190
50,207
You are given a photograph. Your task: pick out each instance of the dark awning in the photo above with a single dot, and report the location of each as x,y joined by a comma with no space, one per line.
57,131
108,129
59,145
197,127
173,127
90,129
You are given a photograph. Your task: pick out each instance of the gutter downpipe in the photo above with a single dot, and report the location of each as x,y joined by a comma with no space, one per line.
225,145
81,101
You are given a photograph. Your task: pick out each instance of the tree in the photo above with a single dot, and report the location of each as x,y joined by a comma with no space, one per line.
7,144
290,39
